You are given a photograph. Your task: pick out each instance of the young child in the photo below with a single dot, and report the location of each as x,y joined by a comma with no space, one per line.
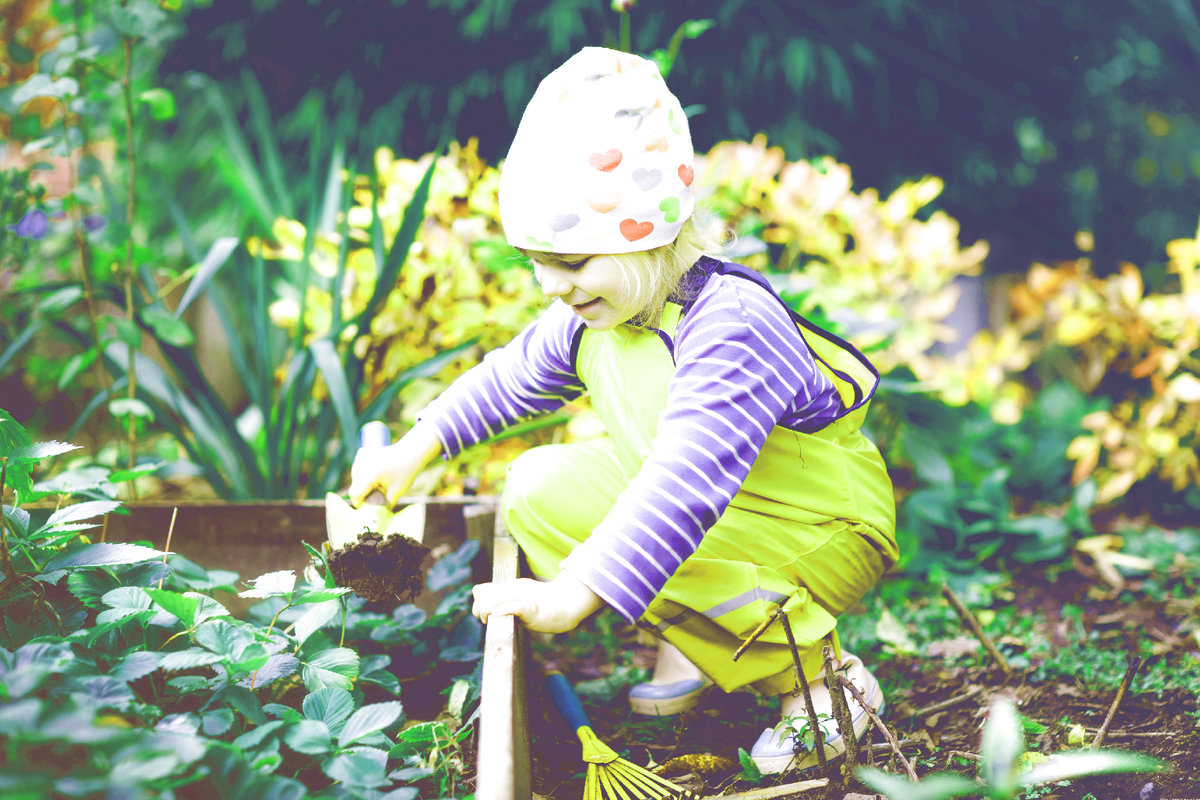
733,478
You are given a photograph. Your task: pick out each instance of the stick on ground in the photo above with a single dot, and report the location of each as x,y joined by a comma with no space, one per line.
759,631
841,714
862,701
969,620
944,704
1134,663
813,722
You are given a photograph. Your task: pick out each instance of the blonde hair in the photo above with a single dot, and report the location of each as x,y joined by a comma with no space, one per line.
652,277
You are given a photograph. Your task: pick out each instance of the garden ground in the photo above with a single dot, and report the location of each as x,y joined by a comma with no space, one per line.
1067,634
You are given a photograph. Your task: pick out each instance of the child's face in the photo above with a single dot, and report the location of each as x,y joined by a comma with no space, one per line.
593,286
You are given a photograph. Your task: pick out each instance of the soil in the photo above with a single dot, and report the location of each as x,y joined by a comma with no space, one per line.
380,570
1145,722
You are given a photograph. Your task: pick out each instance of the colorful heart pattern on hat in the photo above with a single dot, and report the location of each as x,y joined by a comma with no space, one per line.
670,208
686,174
608,160
658,143
563,222
633,230
646,179
603,202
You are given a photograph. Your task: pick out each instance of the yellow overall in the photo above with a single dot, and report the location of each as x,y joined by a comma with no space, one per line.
812,526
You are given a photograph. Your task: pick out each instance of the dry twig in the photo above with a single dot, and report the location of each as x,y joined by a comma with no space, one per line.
969,620
862,701
771,792
814,723
841,714
759,631
1134,663
944,704
167,549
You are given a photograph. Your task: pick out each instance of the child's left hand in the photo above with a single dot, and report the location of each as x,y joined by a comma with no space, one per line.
546,607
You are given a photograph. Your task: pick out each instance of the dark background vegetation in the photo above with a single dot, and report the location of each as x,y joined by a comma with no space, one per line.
1044,117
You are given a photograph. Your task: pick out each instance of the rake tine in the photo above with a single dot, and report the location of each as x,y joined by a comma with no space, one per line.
591,788
653,786
615,790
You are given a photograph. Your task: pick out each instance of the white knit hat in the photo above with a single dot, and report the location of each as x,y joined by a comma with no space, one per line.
602,160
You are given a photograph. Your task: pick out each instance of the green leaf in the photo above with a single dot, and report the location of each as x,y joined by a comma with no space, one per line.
32,453
139,18
937,786
96,555
161,102
75,365
1003,743
167,328
321,595
247,704
277,666
135,665
188,659
12,436
217,255
369,719
273,584
330,364
309,736
334,668
1063,766
216,722
694,27
255,736
750,770
223,638
177,604
331,706
929,463
130,405
315,618
77,512
128,331
361,768
124,475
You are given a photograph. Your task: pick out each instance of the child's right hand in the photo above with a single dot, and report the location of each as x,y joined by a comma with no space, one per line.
392,469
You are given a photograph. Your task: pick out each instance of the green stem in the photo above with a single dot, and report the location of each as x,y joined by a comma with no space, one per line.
345,608
5,559
269,629
127,90
625,45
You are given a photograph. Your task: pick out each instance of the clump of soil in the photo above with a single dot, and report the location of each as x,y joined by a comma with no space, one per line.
380,570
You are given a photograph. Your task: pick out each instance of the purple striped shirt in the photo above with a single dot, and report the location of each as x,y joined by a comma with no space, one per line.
741,368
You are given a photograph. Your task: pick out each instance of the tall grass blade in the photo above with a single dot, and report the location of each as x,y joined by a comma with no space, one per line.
218,254
268,145
331,368
426,369
20,341
240,171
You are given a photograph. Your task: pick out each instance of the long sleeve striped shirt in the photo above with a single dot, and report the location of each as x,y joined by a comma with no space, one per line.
741,368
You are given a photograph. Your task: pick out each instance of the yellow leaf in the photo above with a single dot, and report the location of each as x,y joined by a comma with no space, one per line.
1077,327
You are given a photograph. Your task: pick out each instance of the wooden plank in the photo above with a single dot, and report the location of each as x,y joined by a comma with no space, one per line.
502,771
259,537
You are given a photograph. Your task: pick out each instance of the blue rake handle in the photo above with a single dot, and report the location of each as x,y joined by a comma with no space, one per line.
566,701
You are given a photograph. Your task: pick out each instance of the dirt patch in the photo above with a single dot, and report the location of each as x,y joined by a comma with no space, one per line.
1157,723
381,570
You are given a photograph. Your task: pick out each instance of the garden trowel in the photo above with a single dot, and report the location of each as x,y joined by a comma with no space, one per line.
343,522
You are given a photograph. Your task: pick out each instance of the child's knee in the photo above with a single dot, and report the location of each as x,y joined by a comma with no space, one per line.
531,478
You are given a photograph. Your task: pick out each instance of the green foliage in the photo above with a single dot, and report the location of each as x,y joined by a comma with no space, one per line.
143,686
1002,773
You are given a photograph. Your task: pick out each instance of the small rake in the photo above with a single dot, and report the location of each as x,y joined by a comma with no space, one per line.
609,777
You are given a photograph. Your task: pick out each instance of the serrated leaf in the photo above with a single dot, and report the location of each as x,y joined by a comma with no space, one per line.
310,737
278,666
255,736
408,617
135,665
750,770
223,638
315,618
177,604
362,768
272,584
33,453
97,555
331,706
247,703
321,596
79,511
217,721
369,719
188,659
18,518
334,668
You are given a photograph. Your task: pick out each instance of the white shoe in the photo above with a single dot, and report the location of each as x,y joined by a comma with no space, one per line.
677,685
774,753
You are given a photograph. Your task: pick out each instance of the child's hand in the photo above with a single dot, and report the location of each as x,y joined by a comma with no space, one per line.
392,469
552,607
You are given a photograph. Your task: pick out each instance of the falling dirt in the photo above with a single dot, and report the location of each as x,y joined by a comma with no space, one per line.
385,571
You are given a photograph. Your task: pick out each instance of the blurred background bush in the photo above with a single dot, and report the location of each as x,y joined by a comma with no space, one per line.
211,192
